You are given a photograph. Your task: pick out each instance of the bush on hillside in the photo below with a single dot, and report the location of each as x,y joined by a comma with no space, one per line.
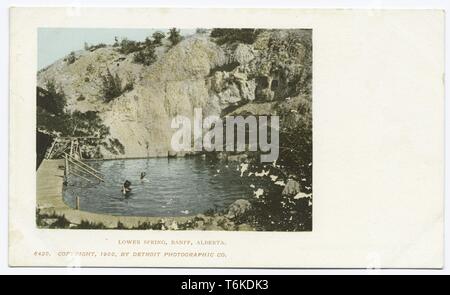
129,46
95,47
229,36
70,59
111,86
146,56
174,36
158,37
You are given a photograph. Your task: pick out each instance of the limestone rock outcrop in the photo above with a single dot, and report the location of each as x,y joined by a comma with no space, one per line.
196,73
238,208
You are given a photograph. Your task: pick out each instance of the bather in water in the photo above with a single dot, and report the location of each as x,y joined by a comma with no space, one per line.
126,188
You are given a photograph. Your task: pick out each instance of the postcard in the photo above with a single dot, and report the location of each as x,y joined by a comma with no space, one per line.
226,138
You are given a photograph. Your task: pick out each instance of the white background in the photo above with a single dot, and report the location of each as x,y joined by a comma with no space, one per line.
4,107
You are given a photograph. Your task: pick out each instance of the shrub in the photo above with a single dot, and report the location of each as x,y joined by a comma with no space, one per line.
52,99
146,56
174,36
158,37
114,146
148,42
53,118
228,36
90,225
70,59
61,222
111,86
129,46
144,225
95,47
86,123
120,225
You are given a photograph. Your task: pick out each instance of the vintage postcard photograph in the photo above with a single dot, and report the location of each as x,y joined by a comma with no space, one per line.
226,138
174,129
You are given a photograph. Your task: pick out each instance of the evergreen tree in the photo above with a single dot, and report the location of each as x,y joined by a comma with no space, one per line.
158,37
146,56
112,86
174,36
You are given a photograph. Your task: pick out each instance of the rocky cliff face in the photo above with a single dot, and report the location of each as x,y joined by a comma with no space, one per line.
196,73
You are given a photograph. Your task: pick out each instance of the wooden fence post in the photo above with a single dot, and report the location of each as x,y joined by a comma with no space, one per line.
66,166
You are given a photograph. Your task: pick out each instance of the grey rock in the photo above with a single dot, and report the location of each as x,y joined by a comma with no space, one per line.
243,54
238,208
228,225
292,187
169,224
201,217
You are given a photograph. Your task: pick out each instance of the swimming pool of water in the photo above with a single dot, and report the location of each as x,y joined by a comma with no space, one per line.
172,187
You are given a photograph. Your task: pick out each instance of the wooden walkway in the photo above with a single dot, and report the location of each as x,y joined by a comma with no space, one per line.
49,184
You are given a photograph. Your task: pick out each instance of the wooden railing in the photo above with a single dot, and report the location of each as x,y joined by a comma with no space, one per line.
76,167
